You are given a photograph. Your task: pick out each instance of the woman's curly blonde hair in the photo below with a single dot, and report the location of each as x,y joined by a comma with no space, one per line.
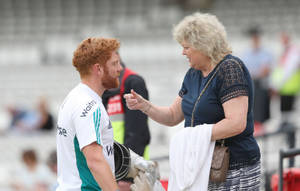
203,32
91,51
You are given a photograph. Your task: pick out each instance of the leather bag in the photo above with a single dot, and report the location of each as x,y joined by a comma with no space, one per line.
219,164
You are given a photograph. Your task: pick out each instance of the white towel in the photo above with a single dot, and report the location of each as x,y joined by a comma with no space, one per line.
191,151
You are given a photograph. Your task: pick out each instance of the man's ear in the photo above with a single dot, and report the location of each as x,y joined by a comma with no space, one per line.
98,68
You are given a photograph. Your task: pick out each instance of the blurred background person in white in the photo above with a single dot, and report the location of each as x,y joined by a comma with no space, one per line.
52,165
285,79
258,60
33,175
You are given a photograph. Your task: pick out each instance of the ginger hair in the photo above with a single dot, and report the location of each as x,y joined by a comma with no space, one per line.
91,51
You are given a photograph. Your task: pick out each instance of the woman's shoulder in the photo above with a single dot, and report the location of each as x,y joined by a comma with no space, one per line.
231,69
231,61
231,64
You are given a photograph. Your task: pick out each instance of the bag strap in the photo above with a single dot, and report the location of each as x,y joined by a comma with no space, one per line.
201,93
203,90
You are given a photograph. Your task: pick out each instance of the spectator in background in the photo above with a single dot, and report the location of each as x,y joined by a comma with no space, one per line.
33,176
259,62
22,120
45,122
285,79
52,164
130,126
30,120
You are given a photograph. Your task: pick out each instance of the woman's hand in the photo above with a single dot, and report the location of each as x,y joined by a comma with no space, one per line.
136,102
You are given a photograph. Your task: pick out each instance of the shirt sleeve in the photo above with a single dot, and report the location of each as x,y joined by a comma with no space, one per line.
137,134
183,90
87,118
232,81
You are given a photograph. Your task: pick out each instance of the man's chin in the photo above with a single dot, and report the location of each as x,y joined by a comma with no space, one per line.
112,85
117,83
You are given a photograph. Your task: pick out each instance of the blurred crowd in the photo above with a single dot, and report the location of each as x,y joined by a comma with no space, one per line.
35,175
25,120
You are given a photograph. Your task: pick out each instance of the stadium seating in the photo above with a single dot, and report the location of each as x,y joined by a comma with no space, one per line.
38,37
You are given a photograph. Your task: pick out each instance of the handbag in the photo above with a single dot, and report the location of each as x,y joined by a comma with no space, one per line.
220,159
219,163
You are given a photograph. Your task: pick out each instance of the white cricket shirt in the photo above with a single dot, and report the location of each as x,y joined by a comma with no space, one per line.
82,120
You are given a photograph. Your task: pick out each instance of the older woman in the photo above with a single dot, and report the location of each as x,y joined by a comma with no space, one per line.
227,101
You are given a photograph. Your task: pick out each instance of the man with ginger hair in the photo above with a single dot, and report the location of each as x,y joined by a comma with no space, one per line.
84,133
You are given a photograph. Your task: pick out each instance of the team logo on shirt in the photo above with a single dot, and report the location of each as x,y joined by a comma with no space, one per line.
62,131
109,150
88,107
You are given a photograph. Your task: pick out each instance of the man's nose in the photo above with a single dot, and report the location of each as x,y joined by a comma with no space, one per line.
120,66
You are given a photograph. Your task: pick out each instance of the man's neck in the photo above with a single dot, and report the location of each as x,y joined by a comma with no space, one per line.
94,84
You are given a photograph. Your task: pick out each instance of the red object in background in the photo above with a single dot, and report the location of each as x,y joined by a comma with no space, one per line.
291,180
164,183
258,129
